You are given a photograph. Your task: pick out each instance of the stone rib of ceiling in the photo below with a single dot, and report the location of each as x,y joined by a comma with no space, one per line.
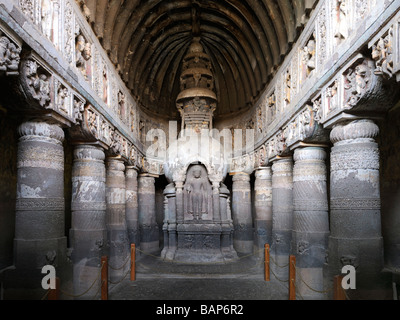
246,40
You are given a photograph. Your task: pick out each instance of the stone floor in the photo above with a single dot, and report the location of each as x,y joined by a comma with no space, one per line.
159,280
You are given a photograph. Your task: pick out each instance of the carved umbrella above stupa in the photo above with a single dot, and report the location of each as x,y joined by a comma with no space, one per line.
197,100
196,103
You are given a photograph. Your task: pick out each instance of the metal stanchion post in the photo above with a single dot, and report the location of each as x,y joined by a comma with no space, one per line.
338,291
54,294
292,278
266,254
104,278
133,262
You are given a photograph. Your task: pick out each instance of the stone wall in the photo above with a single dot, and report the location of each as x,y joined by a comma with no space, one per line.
8,182
390,186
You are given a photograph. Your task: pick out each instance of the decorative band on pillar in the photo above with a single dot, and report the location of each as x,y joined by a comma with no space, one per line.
149,231
263,207
88,232
310,219
132,205
39,227
355,200
170,242
282,210
241,212
116,218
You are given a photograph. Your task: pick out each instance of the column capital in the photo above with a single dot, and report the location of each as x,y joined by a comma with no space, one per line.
358,129
89,152
41,129
282,164
264,173
115,164
240,176
309,153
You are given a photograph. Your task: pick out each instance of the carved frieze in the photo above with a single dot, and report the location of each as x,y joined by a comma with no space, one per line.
9,55
37,82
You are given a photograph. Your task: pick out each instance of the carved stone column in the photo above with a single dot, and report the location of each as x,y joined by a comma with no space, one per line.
116,218
310,219
355,217
88,232
282,212
226,225
241,212
149,233
39,225
132,206
263,207
169,193
216,201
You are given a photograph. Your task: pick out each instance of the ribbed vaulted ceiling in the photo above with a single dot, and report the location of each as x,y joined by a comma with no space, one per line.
246,40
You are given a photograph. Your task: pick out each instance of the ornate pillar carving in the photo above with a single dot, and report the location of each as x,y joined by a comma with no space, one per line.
355,217
310,219
170,195
39,225
263,207
241,212
216,201
116,218
132,205
282,211
226,225
149,234
88,232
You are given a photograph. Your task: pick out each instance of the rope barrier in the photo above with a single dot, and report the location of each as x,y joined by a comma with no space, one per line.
82,294
123,266
282,267
308,286
45,295
276,277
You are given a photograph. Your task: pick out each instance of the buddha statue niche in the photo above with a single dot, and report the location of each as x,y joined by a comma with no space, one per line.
197,194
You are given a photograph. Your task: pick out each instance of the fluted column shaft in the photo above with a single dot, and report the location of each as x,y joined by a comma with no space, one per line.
170,213
310,219
355,218
282,211
263,207
149,233
39,225
116,217
88,232
132,205
241,214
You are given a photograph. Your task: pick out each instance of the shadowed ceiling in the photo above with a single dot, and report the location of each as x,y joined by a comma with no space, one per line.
246,40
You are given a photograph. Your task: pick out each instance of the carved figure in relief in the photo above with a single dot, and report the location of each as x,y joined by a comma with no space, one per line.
105,85
357,83
260,119
62,98
47,18
342,25
288,87
382,53
121,105
332,92
309,57
272,107
317,109
196,192
78,110
9,55
4,53
13,57
83,54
